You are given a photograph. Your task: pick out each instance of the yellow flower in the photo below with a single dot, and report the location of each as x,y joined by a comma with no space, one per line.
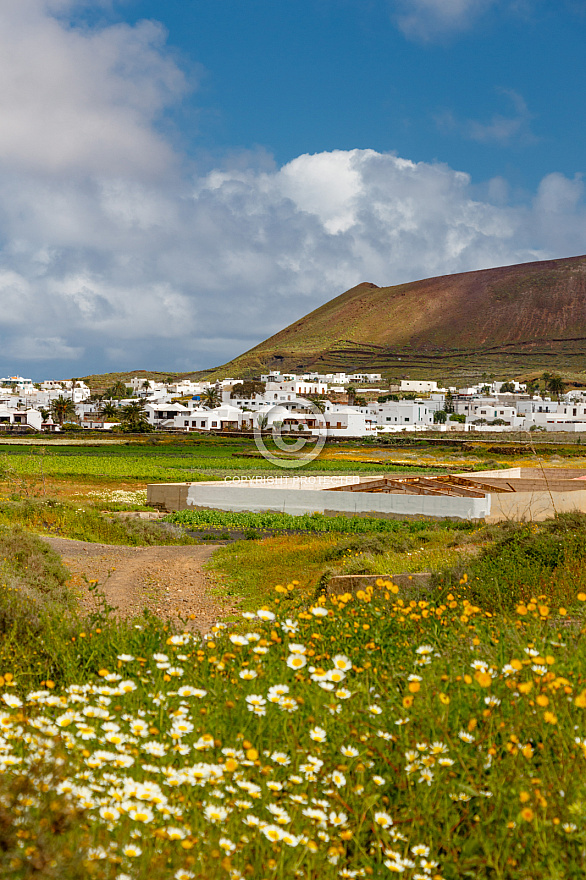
581,597
550,718
524,797
444,699
414,686
527,814
581,700
484,679
521,609
542,700
407,702
525,687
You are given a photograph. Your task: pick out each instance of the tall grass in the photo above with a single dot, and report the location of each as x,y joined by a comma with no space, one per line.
87,523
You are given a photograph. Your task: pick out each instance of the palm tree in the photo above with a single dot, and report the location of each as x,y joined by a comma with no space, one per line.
118,390
134,418
109,410
62,408
211,397
319,401
556,385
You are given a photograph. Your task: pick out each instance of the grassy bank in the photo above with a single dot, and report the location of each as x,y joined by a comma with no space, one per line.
86,523
353,737
350,736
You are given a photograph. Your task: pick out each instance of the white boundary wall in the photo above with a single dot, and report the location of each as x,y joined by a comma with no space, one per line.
295,497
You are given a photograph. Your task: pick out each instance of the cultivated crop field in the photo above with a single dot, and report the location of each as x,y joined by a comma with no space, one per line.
144,462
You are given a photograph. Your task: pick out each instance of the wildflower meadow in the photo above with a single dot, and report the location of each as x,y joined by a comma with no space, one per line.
365,735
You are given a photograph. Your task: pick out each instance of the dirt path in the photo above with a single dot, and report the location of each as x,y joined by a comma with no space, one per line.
169,581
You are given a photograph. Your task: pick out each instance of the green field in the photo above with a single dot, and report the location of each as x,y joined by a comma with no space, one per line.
170,461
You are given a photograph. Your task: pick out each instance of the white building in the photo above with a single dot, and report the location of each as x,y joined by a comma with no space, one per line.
418,386
162,415
368,378
10,417
402,412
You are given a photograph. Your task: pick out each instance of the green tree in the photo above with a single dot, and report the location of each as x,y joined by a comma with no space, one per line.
507,388
109,410
556,385
118,391
134,418
351,392
62,409
211,397
449,404
318,400
440,417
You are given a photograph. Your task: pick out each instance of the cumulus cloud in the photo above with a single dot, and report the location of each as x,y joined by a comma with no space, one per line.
80,100
113,257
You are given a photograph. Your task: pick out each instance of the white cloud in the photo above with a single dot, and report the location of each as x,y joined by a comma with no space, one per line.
430,20
500,129
109,260
80,100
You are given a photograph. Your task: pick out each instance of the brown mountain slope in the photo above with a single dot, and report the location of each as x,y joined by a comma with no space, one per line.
515,318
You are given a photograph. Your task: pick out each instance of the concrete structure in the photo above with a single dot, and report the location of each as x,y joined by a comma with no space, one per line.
419,387
299,495
515,494
402,413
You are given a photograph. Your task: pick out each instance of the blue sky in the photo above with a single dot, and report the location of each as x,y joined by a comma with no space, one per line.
179,180
496,90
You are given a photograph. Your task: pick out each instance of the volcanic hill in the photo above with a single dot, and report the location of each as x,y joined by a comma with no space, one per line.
514,320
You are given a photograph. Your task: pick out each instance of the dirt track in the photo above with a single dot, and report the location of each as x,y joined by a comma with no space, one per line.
169,581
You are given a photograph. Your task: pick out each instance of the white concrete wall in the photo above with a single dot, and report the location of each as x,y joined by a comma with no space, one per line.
534,506
256,498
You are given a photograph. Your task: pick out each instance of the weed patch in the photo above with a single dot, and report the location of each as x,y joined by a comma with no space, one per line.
87,523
